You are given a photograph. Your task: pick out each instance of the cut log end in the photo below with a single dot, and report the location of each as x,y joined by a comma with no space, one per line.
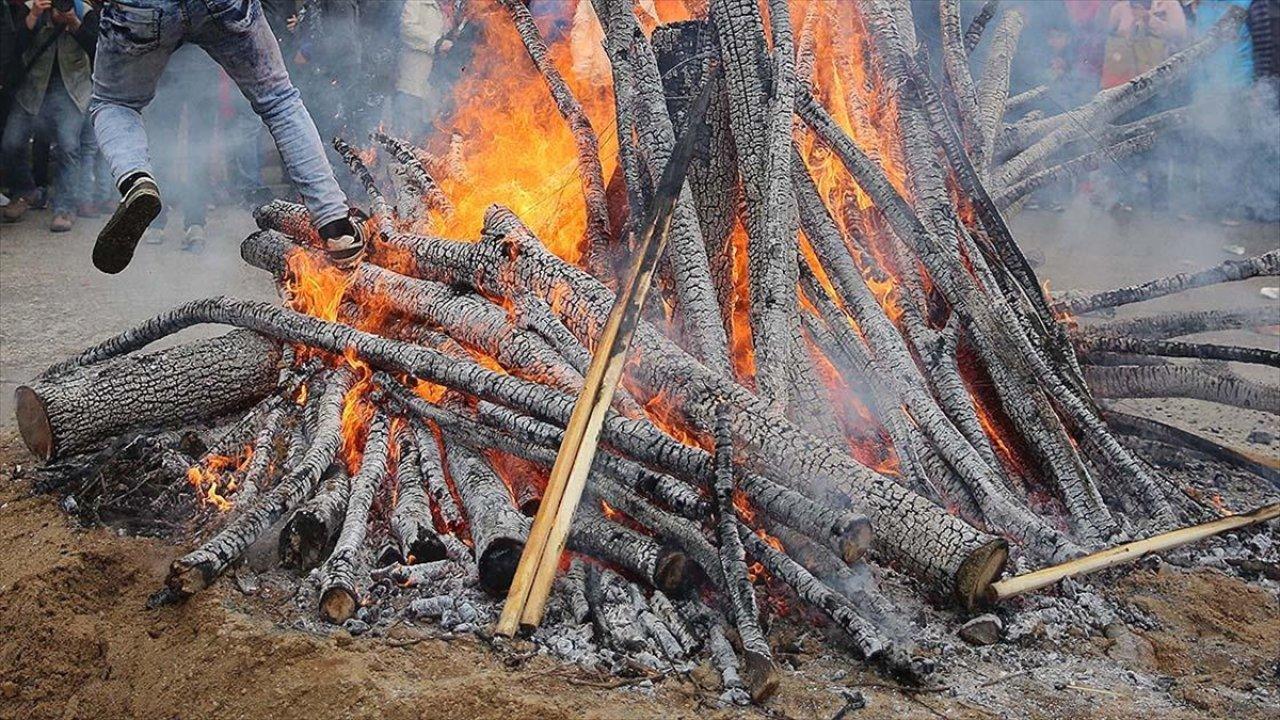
761,676
425,549
855,540
671,572
979,571
33,423
338,605
497,566
304,542
187,580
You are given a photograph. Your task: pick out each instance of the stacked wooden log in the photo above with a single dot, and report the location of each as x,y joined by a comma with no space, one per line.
909,384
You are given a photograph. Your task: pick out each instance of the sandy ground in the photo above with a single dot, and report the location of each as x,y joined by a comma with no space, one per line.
76,643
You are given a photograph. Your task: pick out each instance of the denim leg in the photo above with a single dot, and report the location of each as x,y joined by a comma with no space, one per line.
132,52
252,59
67,122
15,151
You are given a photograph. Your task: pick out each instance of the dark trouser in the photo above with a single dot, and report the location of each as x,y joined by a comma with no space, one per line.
188,91
59,113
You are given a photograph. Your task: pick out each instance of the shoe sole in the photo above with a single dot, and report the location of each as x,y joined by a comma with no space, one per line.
119,237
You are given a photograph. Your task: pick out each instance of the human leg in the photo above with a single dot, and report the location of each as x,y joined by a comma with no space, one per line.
245,47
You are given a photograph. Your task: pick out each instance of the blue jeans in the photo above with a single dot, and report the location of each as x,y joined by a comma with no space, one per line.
134,45
59,114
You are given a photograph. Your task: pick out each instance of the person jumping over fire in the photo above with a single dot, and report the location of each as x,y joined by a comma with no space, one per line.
136,40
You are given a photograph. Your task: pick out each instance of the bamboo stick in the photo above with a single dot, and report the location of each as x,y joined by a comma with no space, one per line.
531,585
1030,582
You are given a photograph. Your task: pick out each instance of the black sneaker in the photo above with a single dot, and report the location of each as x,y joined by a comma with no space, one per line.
119,237
346,250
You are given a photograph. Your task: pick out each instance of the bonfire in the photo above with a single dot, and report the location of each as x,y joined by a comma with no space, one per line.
847,360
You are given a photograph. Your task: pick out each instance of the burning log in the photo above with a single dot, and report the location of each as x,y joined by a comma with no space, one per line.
1265,265
71,409
498,529
761,675
416,175
339,593
432,471
584,135
907,525
412,526
575,584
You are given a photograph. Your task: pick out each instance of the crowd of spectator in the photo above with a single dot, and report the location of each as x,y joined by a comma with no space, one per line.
365,63
358,63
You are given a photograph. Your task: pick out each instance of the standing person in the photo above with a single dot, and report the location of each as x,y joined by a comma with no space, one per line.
187,91
422,35
1142,34
54,94
137,40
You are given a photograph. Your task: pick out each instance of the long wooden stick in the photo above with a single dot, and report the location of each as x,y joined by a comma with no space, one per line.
1021,584
527,598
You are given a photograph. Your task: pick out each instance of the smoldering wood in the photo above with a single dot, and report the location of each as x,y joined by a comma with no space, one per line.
1148,429
382,210
761,675
611,610
308,537
595,535
1176,348
654,627
75,408
412,526
416,175
1187,322
197,569
1074,168
973,33
1114,102
1184,381
498,529
993,88
574,584
1265,265
339,589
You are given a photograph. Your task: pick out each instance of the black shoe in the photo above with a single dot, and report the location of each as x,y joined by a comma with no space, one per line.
119,237
346,250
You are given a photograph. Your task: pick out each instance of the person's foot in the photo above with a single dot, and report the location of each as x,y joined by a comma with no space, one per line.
62,222
119,237
16,208
344,242
193,239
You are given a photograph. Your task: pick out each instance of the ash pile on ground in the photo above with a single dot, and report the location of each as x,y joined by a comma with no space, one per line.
1084,638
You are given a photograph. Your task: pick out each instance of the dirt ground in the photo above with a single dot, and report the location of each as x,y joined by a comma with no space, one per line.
75,641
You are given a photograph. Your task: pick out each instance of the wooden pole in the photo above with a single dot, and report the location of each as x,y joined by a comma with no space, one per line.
527,598
1022,584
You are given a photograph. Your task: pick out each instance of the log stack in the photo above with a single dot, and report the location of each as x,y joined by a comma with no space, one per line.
855,356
